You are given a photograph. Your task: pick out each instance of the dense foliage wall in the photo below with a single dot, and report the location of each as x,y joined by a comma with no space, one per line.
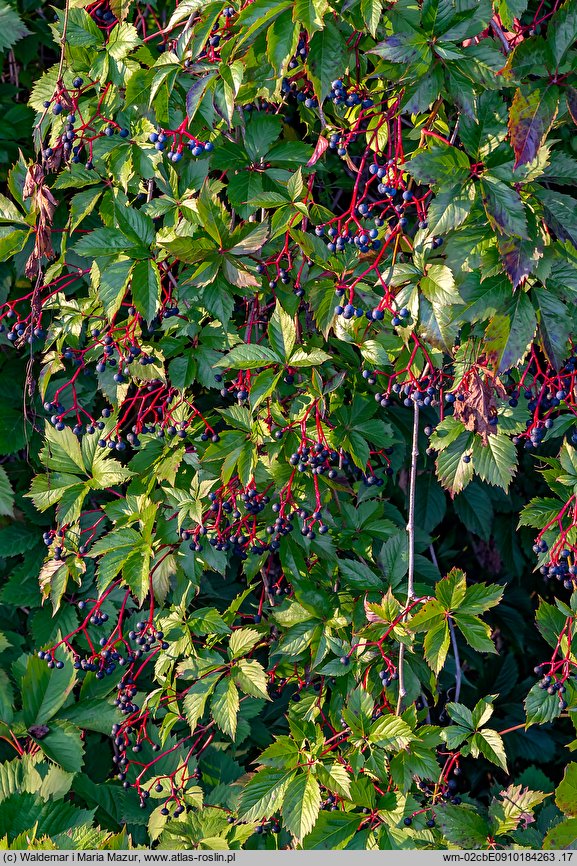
289,488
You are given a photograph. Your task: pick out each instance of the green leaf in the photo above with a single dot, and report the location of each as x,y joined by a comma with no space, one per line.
6,495
530,57
327,58
112,284
196,697
541,707
281,332
504,208
555,325
182,370
314,358
561,836
301,805
407,48
463,825
430,504
310,14
359,576
509,10
489,744
390,733
145,288
102,243
225,705
496,462
195,94
335,778
450,208
249,357
550,622
332,831
439,285
560,213
474,507
562,30
44,690
566,793
452,471
371,11
251,678
136,571
436,646
438,165
264,794
281,39
242,640
81,31
12,28
63,745
475,631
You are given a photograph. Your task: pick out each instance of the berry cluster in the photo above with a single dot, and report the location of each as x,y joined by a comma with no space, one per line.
176,139
554,684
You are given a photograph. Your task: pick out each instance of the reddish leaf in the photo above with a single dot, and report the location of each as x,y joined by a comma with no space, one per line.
516,258
320,148
530,119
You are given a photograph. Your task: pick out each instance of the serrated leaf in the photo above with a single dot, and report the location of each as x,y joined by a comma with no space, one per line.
326,58
264,794
496,462
531,117
250,676
489,744
541,707
390,733
282,332
196,697
249,357
242,640
301,805
145,288
463,825
225,705
566,793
